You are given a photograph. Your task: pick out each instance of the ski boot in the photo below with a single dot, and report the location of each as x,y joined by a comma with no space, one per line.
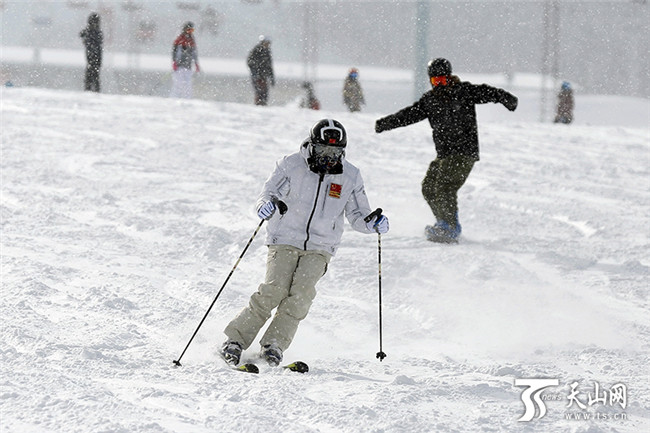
272,354
231,352
442,232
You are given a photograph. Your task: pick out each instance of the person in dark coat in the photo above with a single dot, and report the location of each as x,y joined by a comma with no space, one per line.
260,63
93,40
565,104
450,108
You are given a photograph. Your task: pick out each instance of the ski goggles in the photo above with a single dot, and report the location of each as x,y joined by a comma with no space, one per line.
324,151
439,81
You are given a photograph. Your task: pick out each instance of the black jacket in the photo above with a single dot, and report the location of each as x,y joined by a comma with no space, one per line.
93,40
452,115
260,62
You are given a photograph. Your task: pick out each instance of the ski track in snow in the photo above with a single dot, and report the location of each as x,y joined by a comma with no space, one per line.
122,216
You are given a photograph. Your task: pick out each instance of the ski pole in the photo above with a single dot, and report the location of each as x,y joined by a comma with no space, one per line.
283,208
380,355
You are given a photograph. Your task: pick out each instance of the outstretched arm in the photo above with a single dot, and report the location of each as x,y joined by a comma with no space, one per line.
483,94
404,117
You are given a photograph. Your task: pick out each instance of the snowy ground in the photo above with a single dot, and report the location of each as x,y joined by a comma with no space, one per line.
122,216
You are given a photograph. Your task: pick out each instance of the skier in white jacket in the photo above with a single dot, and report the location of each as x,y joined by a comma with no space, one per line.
318,187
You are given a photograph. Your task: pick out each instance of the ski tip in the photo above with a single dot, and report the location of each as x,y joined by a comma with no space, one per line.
248,368
298,366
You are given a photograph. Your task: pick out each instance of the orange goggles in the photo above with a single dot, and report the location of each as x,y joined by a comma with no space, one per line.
439,81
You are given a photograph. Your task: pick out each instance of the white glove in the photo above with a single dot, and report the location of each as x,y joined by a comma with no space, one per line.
378,225
266,211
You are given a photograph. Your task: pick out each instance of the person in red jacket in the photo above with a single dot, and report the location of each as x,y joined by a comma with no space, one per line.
183,54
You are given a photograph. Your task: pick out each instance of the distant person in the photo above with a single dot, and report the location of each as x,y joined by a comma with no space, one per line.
450,108
93,40
565,104
317,187
352,92
260,63
184,52
310,101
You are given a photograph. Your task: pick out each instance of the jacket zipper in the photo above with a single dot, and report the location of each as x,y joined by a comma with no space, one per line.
320,182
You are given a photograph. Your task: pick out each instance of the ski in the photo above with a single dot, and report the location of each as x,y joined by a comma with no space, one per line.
298,367
247,368
250,367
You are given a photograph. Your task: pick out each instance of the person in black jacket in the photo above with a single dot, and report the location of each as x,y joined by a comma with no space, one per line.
260,63
93,39
450,108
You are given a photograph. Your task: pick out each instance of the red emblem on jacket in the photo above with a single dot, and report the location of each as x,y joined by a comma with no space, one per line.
335,190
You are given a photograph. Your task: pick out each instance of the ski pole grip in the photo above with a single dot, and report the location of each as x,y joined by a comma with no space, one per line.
376,213
282,206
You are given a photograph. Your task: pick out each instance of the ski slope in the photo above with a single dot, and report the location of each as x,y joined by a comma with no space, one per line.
123,215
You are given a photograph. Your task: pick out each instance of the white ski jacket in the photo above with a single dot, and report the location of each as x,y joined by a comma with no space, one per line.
316,204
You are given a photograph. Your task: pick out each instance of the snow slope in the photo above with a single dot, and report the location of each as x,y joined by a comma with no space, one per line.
123,215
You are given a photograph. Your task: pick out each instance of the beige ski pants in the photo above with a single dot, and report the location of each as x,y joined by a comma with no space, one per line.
290,285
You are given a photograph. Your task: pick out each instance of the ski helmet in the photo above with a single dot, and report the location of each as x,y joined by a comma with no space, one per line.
188,26
439,67
566,85
327,142
328,132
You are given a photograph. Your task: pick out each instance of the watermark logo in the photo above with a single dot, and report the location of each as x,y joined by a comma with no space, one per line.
531,396
580,405
617,395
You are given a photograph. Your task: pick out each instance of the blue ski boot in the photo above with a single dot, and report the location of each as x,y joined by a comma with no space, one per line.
442,232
